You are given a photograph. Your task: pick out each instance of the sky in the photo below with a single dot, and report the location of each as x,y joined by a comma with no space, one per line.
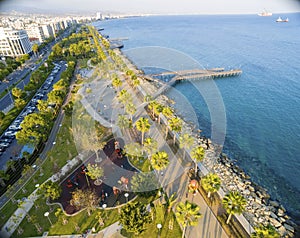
155,6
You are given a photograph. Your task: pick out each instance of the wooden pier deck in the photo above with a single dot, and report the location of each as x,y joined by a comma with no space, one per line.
198,74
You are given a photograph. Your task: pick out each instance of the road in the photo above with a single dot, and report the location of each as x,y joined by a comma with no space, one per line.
12,152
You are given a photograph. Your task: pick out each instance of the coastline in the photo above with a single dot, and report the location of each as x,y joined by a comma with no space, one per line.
260,208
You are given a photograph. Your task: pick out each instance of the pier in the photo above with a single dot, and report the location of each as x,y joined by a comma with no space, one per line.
196,74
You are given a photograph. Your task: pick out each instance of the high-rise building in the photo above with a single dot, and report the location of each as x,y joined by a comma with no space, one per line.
14,42
48,31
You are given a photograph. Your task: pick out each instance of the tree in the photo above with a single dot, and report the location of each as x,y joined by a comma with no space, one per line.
130,109
150,146
197,155
50,190
234,203
167,112
3,177
136,83
116,83
142,125
95,172
134,217
144,183
211,183
155,107
160,160
175,125
123,122
187,214
35,49
265,232
85,199
56,97
20,103
186,141
17,92
133,150
170,201
2,116
34,129
11,164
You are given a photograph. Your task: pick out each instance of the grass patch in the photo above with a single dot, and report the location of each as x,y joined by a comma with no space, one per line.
141,163
6,212
170,227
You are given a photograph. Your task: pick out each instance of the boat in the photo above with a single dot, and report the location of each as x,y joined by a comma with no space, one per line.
265,14
279,19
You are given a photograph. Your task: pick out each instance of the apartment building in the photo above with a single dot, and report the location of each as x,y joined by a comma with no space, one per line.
14,42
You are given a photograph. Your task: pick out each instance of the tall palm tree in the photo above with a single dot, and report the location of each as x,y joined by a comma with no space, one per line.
154,107
150,146
142,125
197,155
175,125
130,109
187,214
234,203
186,141
160,160
211,183
265,232
167,112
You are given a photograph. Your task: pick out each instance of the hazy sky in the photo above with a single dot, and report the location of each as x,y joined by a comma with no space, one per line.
156,6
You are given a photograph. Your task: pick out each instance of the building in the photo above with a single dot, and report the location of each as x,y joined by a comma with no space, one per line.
14,42
36,33
48,31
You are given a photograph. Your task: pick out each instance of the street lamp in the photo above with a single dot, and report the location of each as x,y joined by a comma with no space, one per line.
126,196
104,206
159,226
46,214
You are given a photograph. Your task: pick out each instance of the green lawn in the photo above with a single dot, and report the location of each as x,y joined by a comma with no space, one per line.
141,163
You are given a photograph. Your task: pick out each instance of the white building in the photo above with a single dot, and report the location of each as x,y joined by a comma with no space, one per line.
14,42
36,33
48,31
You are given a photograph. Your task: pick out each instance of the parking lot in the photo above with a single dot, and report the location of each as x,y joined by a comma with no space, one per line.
9,148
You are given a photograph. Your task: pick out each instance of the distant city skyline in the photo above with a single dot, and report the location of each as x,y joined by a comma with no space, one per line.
153,6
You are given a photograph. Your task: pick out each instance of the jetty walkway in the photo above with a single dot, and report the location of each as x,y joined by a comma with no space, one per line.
195,74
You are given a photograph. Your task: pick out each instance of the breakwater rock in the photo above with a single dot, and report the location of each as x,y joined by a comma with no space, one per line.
260,208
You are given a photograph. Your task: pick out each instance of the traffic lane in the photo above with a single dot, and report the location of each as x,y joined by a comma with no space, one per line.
11,152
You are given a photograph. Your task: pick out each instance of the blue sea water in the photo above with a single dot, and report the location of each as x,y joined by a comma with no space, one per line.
262,105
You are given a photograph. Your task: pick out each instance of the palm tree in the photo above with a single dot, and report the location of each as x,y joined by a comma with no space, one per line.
187,215
265,232
160,160
142,125
150,146
198,155
234,203
167,112
136,83
170,201
186,141
123,122
130,109
85,199
154,106
117,83
211,183
175,125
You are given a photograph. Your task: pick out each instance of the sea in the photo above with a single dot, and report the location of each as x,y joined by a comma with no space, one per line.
262,105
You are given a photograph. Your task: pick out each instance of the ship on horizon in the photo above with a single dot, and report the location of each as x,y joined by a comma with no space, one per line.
265,14
279,19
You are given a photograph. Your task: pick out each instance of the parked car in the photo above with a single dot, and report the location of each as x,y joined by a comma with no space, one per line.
4,144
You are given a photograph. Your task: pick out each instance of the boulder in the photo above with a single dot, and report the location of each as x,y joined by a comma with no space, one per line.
274,203
273,215
280,213
274,222
289,228
282,231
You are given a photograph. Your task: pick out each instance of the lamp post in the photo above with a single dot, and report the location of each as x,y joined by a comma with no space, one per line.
46,214
159,226
126,196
